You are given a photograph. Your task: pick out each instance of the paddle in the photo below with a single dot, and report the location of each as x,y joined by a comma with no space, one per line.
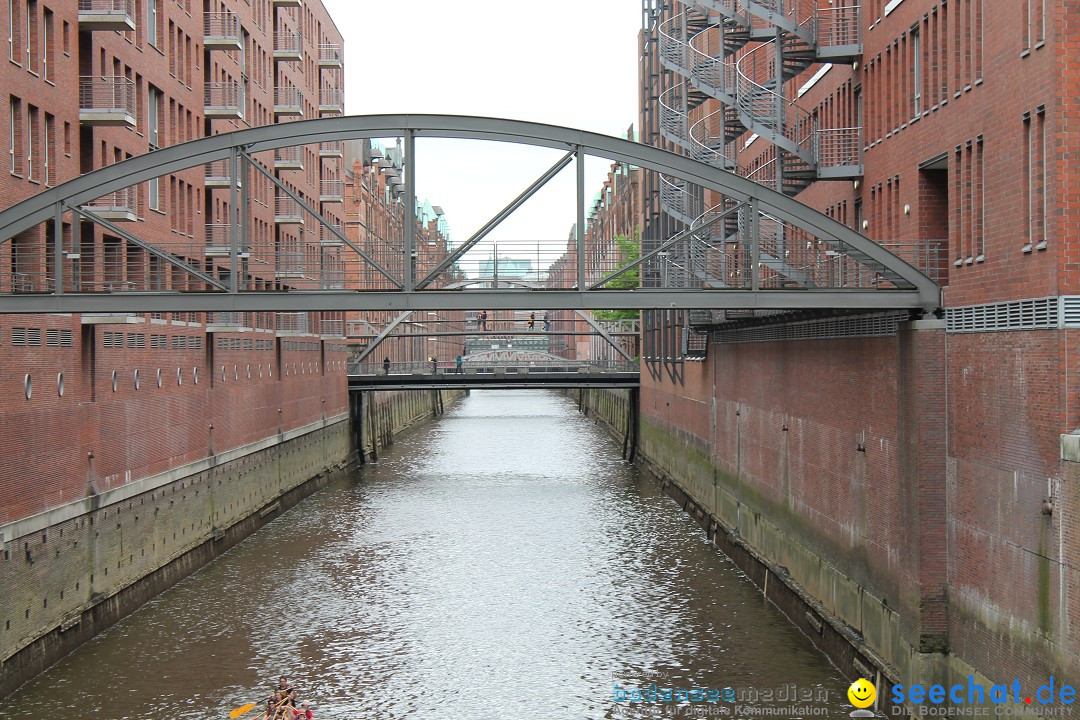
237,712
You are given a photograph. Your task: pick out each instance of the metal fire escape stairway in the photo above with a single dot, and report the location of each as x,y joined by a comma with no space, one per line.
701,48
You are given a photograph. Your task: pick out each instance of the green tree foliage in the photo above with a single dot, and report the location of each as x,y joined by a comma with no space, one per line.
629,252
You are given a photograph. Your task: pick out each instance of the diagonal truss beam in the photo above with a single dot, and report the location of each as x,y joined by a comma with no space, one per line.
383,335
664,246
604,333
152,249
322,221
496,219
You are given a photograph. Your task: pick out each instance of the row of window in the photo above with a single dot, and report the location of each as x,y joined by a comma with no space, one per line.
32,142
32,37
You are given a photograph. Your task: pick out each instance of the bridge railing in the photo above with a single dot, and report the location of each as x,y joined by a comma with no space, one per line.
490,367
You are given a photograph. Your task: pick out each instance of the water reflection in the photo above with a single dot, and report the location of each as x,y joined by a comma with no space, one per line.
501,563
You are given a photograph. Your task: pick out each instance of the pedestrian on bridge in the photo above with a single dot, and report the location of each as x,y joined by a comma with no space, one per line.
532,321
434,365
547,322
386,365
457,364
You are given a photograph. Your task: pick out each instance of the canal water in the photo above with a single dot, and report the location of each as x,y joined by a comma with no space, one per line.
503,562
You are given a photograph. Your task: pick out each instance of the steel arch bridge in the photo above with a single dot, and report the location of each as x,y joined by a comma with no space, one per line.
758,249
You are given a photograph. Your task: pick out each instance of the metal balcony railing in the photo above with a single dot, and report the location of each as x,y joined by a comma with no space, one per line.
331,191
287,211
288,101
121,205
707,67
107,15
333,327
292,322
328,238
289,158
840,148
331,100
330,55
288,45
224,100
290,264
221,31
838,31
218,240
107,100
331,149
217,174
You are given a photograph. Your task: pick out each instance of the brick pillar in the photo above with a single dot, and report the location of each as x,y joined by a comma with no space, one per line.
922,429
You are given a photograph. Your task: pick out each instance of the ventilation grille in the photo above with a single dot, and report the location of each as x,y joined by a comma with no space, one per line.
1037,314
58,338
26,337
877,325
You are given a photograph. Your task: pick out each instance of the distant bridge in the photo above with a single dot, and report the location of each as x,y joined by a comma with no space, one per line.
495,369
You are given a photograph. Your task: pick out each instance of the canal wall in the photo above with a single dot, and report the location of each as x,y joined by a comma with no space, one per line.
72,571
888,491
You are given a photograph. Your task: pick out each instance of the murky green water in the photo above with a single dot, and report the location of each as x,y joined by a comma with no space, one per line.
503,562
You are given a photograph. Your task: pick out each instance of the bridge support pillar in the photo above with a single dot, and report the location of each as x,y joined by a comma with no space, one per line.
922,467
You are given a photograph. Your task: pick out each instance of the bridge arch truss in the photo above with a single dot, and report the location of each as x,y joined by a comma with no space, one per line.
822,264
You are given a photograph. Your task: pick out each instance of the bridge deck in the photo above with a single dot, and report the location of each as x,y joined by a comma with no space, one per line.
561,379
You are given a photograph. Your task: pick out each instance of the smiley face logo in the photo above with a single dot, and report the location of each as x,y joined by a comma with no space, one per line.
862,693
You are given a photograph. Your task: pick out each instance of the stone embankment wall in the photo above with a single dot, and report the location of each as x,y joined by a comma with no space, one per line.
840,474
69,573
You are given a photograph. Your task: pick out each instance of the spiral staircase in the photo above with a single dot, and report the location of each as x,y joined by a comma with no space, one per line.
719,92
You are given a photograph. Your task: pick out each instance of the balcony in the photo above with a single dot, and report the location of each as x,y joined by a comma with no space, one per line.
328,238
292,322
107,15
288,102
287,3
287,211
333,280
331,149
107,100
330,55
331,191
331,101
218,242
221,31
119,206
289,158
224,101
217,174
290,264
287,46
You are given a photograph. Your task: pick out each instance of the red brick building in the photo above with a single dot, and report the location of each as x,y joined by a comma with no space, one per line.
105,412
915,477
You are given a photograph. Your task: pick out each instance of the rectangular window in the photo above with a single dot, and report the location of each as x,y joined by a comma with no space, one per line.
153,115
152,22
916,72
15,134
48,52
1038,181
49,150
14,44
32,48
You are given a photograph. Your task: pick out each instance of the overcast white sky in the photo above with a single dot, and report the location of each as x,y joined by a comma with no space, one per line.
564,62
